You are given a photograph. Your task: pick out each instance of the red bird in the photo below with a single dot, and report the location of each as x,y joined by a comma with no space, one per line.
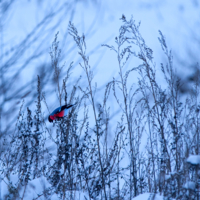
59,112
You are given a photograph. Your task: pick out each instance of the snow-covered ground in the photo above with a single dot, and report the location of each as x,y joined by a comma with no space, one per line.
148,196
194,159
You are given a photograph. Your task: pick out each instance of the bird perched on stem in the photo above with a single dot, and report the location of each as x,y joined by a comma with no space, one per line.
59,112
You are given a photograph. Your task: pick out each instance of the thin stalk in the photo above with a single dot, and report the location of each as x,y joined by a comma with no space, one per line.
132,164
97,128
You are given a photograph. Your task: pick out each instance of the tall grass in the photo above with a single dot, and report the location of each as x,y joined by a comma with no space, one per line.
77,157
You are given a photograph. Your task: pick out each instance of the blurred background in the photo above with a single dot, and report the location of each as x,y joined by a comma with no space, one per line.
28,28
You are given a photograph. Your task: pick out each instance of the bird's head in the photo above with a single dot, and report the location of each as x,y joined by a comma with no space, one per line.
50,120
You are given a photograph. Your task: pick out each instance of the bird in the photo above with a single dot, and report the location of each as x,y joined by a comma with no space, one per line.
59,112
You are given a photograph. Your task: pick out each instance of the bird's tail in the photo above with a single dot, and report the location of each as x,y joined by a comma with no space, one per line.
67,106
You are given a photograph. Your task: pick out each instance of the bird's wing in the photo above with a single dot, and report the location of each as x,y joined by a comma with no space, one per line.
57,110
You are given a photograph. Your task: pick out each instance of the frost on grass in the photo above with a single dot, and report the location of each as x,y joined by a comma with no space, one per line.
78,156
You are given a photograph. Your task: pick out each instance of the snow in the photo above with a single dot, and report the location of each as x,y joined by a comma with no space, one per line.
167,177
194,159
190,185
153,16
146,196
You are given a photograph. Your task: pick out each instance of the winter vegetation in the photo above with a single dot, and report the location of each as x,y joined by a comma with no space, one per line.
91,155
